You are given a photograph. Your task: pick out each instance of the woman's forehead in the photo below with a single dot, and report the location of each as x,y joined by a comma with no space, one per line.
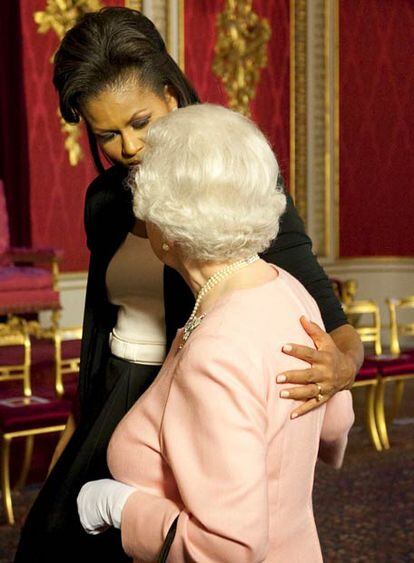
118,105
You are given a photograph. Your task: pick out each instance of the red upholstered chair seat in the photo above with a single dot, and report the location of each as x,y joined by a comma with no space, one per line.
368,371
391,365
28,301
22,413
25,288
24,278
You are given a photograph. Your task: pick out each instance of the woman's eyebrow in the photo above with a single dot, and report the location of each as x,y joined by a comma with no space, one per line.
135,116
138,113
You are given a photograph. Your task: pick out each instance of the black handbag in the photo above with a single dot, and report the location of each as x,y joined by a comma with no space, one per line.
162,558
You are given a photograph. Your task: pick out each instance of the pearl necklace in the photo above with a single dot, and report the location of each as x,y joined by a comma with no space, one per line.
212,281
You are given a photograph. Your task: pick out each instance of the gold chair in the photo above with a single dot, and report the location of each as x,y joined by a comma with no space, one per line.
401,367
25,416
345,290
13,332
369,376
64,366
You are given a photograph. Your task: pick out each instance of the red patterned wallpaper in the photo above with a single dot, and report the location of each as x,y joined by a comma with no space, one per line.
270,109
56,189
376,128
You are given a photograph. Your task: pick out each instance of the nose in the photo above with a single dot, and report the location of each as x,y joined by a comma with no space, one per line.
130,145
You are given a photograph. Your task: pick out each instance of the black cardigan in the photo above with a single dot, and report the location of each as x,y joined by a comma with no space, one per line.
108,219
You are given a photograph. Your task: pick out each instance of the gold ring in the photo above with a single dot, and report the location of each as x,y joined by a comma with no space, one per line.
319,396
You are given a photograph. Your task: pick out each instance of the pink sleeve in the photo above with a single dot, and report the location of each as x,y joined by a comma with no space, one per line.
213,438
338,419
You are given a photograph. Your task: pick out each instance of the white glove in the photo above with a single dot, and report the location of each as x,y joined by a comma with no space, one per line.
100,504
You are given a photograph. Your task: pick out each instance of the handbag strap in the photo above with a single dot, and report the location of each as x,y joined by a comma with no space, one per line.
162,558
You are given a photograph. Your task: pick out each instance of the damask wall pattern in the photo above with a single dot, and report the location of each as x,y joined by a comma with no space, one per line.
56,188
272,103
376,85
270,107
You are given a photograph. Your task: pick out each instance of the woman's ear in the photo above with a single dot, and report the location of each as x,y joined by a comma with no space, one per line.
170,98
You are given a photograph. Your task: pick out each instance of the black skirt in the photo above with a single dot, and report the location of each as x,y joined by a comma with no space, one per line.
52,531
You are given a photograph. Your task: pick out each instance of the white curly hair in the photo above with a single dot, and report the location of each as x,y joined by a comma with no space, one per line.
207,180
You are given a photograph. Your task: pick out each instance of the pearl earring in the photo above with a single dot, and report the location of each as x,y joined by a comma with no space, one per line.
165,247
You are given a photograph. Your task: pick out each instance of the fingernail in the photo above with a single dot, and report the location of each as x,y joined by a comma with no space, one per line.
287,348
281,378
294,415
284,394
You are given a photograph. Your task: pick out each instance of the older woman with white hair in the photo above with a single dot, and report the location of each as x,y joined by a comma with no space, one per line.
209,463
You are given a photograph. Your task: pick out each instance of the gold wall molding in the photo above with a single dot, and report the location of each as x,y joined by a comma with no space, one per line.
335,153
298,105
240,52
319,157
134,4
320,143
60,16
156,11
168,16
175,31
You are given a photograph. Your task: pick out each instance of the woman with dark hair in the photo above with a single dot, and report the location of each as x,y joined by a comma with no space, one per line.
113,71
210,445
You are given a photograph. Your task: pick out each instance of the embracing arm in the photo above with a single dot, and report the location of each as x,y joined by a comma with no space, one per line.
339,353
338,419
347,340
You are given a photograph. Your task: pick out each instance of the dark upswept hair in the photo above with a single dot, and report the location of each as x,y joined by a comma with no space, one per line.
103,49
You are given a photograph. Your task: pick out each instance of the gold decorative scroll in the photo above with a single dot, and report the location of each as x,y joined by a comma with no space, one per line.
240,52
72,146
61,15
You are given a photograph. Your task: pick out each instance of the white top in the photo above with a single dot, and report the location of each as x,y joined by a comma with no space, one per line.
134,281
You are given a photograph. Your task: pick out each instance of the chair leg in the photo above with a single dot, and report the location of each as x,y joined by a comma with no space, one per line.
55,320
5,479
27,460
370,417
59,389
380,414
27,388
396,402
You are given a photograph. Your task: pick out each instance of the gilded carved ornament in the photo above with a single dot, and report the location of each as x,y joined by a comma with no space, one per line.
61,15
240,52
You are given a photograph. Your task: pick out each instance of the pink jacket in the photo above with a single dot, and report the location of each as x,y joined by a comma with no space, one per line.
211,441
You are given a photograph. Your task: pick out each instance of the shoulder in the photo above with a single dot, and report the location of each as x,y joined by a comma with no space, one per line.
108,207
106,183
267,312
249,325
297,298
217,360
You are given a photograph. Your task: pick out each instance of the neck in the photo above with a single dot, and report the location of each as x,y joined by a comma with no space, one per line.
197,273
210,281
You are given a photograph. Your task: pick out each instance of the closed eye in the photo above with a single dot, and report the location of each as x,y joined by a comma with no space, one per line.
140,123
105,137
